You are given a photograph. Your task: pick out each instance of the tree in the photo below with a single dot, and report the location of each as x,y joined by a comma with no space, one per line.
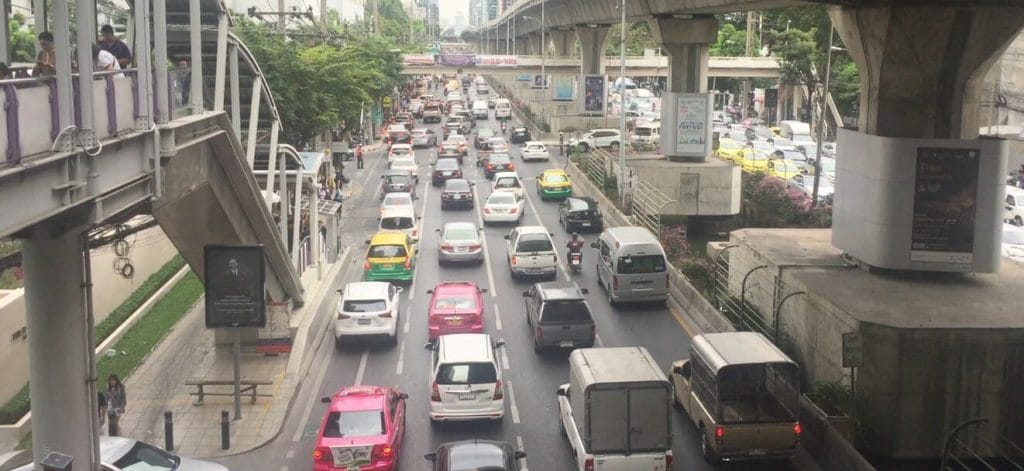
638,38
798,55
731,42
23,41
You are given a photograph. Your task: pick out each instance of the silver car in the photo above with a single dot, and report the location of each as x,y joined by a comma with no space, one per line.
119,453
460,242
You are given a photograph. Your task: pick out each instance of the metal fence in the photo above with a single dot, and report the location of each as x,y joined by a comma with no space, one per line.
975,445
596,165
648,201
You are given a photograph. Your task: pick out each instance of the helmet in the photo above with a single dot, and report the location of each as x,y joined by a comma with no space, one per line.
575,235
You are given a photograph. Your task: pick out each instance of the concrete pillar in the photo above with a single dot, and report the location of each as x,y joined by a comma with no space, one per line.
534,44
60,342
522,46
593,44
924,81
564,41
686,42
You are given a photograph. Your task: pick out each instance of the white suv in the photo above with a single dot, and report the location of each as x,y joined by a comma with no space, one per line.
531,252
597,138
465,379
368,308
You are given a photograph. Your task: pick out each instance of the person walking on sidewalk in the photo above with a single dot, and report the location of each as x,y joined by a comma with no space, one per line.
117,399
359,156
102,401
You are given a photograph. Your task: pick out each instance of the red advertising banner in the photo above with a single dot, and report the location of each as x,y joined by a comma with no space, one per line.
496,61
418,59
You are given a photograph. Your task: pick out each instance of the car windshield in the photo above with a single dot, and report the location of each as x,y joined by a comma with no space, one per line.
754,154
396,223
466,373
565,311
534,243
397,200
555,179
502,159
631,265
397,128
476,457
503,198
507,182
400,151
386,251
457,139
457,302
485,133
349,424
146,457
364,305
762,145
396,179
643,132
460,233
449,148
1013,237
447,164
403,163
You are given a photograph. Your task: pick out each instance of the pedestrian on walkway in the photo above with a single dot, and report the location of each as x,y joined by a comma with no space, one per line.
115,46
117,399
102,401
359,156
46,60
561,143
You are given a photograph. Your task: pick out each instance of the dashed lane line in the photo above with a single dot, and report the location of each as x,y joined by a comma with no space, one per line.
497,318
512,402
362,368
483,243
519,445
401,359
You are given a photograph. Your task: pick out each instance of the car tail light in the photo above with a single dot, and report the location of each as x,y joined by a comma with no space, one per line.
322,453
498,394
474,247
408,263
511,166
343,316
435,394
593,331
366,265
513,210
414,231
669,459
382,452
554,258
447,247
615,282
588,465
490,166
487,210
719,434
797,430
515,259
386,315
458,174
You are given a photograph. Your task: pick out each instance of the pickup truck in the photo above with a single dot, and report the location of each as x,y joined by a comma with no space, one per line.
615,411
742,394
531,252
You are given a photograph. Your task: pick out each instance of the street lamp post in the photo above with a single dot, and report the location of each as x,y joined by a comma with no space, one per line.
821,117
543,60
622,108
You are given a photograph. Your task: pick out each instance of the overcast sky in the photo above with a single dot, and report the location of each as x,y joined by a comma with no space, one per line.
452,8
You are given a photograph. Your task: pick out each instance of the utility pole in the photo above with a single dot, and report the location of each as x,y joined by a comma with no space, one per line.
749,50
374,24
281,19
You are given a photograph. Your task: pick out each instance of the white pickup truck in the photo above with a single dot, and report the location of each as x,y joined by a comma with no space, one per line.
615,411
531,252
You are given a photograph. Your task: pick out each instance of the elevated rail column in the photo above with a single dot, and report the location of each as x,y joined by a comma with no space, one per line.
60,350
564,41
687,42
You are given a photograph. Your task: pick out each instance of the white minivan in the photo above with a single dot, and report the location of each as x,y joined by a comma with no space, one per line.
465,380
631,265
480,109
502,109
1014,206
646,136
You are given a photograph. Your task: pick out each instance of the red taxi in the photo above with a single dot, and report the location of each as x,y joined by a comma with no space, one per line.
456,307
362,430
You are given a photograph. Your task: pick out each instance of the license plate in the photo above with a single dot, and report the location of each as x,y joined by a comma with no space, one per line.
757,452
585,224
388,266
459,197
344,458
565,343
363,321
461,249
467,397
447,174
455,321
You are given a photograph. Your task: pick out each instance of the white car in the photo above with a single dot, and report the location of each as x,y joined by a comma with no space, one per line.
597,138
534,150
397,200
503,206
1013,243
400,150
407,164
400,219
531,252
119,453
508,181
368,308
465,379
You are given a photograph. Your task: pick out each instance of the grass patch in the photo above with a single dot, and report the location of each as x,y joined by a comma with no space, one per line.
19,405
8,280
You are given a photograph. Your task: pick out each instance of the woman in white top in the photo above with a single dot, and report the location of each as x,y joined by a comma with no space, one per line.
105,60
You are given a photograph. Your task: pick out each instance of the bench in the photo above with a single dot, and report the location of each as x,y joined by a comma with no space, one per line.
249,387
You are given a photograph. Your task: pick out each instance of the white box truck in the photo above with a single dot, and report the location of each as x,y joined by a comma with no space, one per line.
615,411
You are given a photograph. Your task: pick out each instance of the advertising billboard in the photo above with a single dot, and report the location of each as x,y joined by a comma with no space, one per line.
595,93
945,204
564,88
693,135
484,60
234,286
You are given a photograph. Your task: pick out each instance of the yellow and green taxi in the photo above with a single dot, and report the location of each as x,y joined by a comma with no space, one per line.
753,160
728,149
390,257
785,168
554,184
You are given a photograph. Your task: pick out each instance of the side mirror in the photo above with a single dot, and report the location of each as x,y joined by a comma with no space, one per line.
419,217
526,294
428,346
325,400
507,237
430,291
342,290
520,454
593,245
482,290
499,344
430,457
562,391
437,230
584,290
399,289
379,219
677,370
367,242
403,396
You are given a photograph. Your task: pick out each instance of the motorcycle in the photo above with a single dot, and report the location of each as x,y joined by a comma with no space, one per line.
575,262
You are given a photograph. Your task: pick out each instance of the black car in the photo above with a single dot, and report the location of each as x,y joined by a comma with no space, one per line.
456,192
449,151
475,454
579,213
520,134
498,163
396,181
445,169
482,135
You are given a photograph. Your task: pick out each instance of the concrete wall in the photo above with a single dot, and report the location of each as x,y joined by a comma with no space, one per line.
150,250
709,188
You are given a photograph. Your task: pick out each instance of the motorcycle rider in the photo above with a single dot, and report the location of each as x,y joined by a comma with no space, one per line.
575,245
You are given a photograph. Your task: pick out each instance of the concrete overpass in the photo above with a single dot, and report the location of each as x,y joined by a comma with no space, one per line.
656,66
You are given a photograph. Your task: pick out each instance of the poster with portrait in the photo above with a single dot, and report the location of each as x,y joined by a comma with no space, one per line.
595,93
693,113
539,82
564,88
234,286
945,205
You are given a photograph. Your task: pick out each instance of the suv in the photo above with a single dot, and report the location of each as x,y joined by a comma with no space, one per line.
531,252
597,138
465,380
559,316
368,308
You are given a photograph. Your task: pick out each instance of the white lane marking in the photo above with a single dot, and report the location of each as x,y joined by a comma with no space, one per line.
483,243
290,454
401,359
504,359
318,383
284,468
598,341
497,317
512,402
362,368
405,327
536,216
372,170
519,444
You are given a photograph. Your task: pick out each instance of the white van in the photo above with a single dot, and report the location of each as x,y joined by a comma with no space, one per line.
400,219
646,136
465,380
480,109
631,265
795,131
502,109
1014,206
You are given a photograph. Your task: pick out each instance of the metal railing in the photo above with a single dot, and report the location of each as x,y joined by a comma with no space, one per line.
648,202
305,255
973,444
